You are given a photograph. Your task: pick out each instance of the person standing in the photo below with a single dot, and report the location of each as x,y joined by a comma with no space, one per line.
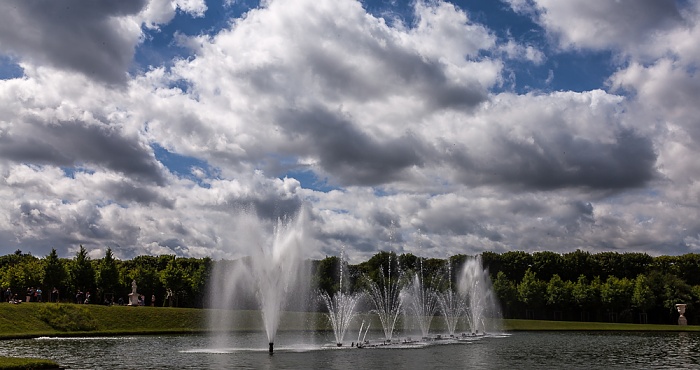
153,300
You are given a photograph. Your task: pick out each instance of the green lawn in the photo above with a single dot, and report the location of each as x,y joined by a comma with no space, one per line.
12,363
538,325
25,320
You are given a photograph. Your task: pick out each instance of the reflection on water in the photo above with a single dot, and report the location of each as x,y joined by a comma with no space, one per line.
526,350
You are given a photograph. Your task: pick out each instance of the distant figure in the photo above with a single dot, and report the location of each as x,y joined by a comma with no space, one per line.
38,294
8,295
168,298
54,295
153,300
120,301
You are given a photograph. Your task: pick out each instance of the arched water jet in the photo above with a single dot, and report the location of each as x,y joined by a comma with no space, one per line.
422,301
386,297
452,306
341,306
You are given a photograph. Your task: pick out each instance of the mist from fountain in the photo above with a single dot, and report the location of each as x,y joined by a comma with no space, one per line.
452,305
341,306
482,306
386,297
422,301
270,273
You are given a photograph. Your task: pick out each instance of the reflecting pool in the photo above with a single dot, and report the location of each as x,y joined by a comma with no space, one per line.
520,350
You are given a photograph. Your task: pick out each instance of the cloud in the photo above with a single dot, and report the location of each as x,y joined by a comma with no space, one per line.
95,38
426,151
102,36
43,122
602,24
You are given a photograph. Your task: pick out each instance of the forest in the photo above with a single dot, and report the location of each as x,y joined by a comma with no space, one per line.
575,286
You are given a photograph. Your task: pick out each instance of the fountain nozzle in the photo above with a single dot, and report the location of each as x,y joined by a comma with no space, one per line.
272,345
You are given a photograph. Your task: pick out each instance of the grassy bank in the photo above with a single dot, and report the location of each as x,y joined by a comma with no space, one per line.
540,325
35,319
16,363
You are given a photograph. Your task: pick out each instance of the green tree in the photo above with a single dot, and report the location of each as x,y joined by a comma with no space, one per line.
583,293
198,280
688,266
55,273
559,292
675,291
82,273
616,293
492,262
506,291
608,264
546,264
643,297
28,272
531,290
326,274
634,264
107,274
577,263
515,263
172,277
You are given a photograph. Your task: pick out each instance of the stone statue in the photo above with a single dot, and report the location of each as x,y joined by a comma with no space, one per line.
681,310
133,296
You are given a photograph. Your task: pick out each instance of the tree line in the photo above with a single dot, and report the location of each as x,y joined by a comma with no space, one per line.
606,286
107,279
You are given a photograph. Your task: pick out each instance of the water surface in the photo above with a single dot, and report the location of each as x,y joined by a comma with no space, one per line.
521,350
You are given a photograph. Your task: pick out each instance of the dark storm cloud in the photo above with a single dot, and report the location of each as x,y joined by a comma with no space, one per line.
80,35
71,143
564,161
124,191
457,223
34,214
349,154
386,220
401,70
268,206
361,243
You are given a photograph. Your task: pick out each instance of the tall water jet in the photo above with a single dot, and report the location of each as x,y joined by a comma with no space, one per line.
483,309
452,306
268,275
341,306
386,297
422,301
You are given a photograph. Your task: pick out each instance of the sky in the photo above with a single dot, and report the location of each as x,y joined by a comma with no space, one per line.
428,127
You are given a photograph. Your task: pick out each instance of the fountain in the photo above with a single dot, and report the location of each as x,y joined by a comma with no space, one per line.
475,287
270,273
341,306
451,304
386,297
422,301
